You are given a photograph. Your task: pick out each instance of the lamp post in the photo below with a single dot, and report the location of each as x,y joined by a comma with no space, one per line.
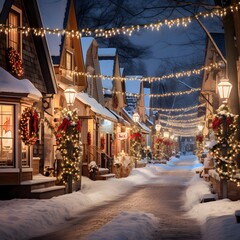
136,138
224,90
158,150
200,127
70,95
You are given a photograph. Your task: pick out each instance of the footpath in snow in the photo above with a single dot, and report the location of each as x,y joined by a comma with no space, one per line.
27,218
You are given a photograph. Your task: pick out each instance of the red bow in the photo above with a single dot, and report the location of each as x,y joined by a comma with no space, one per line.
64,125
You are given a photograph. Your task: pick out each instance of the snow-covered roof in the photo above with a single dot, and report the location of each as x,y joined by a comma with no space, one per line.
86,43
107,52
120,118
95,106
144,127
11,85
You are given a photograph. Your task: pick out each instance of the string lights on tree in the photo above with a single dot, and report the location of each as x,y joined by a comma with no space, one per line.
224,125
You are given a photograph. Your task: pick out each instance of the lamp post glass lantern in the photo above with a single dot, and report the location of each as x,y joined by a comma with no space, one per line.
136,117
224,88
200,127
166,134
70,95
158,127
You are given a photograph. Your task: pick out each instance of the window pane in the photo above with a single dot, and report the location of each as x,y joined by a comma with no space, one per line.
14,35
6,135
69,64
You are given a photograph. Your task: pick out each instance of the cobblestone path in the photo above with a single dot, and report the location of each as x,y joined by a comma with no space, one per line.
164,201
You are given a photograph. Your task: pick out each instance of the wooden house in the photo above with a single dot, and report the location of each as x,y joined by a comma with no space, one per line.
28,85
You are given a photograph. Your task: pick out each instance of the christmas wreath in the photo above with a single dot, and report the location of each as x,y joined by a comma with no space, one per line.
29,126
14,62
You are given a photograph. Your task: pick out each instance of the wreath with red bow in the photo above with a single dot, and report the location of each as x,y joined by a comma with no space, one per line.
29,126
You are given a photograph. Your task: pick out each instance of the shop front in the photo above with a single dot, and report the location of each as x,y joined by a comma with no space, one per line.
16,113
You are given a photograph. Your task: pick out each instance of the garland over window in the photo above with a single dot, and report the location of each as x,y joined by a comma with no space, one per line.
29,126
14,62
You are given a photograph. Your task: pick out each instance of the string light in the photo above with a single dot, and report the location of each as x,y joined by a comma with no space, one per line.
176,109
126,30
182,115
157,95
199,119
181,74
180,124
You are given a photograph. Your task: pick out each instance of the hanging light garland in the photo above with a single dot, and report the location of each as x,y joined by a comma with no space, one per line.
157,95
199,119
181,74
177,109
126,30
182,115
189,124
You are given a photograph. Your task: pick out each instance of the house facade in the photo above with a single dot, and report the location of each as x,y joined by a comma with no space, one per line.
27,87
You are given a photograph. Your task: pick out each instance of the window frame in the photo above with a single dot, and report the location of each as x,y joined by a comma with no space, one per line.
18,12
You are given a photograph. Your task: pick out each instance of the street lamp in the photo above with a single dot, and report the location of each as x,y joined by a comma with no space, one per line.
157,145
70,95
136,117
158,127
224,88
200,127
135,146
166,133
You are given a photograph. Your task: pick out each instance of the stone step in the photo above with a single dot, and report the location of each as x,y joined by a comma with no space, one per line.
48,192
105,176
102,171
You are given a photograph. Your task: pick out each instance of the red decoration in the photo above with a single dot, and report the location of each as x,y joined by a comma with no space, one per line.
14,62
102,143
89,138
79,125
159,140
199,138
136,136
29,126
216,122
64,125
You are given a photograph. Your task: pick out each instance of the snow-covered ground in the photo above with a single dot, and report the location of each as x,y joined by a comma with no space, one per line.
26,218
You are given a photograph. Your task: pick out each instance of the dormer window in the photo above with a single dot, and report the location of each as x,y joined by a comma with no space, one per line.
14,38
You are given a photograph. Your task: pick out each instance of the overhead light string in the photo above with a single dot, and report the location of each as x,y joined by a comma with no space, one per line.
126,30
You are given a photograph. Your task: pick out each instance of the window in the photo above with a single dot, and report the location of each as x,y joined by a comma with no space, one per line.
6,135
14,37
69,63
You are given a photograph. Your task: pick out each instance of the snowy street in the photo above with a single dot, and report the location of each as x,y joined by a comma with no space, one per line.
163,201
160,201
